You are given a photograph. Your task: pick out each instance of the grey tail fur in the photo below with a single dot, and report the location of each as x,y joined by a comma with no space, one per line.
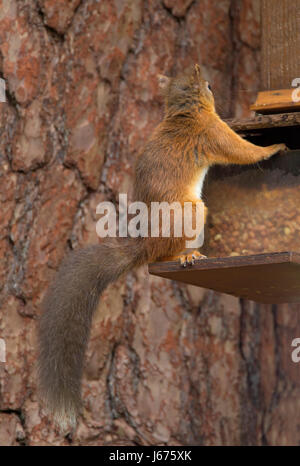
67,316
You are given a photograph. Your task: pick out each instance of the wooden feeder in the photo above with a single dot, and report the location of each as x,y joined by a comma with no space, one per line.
252,235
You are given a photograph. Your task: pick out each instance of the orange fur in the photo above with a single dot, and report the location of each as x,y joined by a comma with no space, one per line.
171,168
190,139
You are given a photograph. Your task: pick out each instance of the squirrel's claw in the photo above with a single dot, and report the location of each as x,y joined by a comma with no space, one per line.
189,259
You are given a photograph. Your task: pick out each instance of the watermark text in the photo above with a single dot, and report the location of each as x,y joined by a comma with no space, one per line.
2,90
158,220
2,350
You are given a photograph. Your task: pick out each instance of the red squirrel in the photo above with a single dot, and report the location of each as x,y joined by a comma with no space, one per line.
171,168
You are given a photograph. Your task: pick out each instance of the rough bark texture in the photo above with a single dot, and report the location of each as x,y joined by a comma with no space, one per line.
167,363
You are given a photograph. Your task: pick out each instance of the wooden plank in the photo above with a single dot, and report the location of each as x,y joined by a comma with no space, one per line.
264,121
280,26
265,278
276,101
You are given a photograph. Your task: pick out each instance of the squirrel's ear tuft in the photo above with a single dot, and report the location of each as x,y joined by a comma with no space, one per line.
198,72
163,81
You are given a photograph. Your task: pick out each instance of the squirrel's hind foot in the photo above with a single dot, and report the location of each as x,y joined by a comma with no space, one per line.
185,258
189,258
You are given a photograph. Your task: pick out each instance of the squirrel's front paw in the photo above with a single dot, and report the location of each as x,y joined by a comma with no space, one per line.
189,259
282,147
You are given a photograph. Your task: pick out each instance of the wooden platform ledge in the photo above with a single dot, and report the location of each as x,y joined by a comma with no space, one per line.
265,278
259,122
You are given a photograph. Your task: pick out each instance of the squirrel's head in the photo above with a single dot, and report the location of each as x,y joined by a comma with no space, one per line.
188,92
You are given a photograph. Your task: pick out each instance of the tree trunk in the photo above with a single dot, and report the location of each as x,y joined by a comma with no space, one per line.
167,363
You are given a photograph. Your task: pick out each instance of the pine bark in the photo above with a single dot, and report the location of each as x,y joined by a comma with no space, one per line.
167,363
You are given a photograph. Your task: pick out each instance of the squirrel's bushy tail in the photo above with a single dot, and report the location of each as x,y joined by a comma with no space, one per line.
66,320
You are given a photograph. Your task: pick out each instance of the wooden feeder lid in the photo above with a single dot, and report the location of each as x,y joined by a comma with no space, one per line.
262,122
281,100
265,278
